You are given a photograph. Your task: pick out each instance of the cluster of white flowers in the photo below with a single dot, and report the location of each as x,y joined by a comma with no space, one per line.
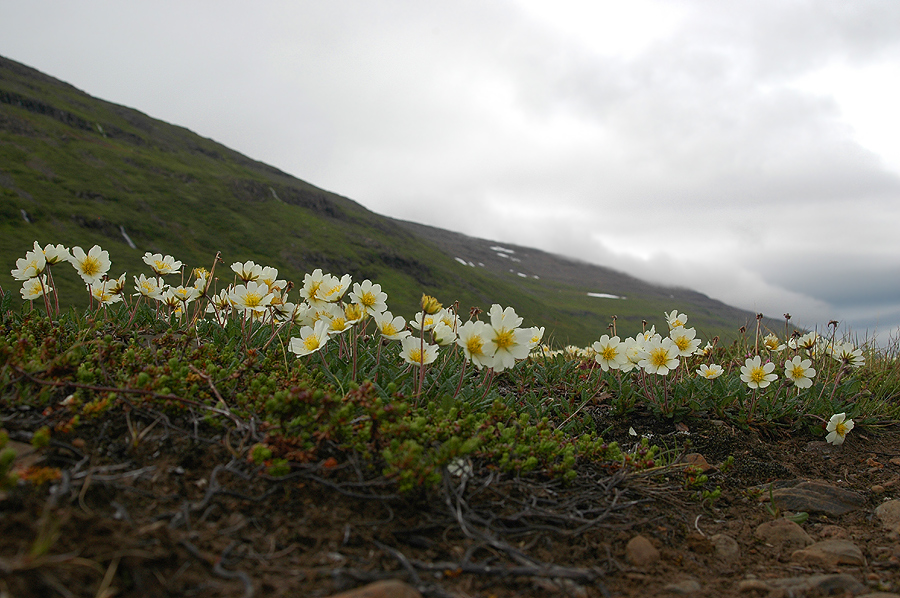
649,350
258,295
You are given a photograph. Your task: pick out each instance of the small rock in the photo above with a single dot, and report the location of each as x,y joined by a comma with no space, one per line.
783,534
688,586
877,489
830,553
389,588
750,585
833,532
640,552
813,496
889,513
792,586
697,460
726,547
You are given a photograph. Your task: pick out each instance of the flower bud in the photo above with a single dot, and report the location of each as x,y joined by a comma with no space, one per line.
430,305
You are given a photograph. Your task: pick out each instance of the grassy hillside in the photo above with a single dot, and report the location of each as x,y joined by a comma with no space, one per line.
78,170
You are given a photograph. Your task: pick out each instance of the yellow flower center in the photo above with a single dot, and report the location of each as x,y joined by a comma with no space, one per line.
798,371
368,300
90,266
252,299
841,429
415,354
388,329
609,353
311,342
475,345
682,342
505,339
757,375
659,357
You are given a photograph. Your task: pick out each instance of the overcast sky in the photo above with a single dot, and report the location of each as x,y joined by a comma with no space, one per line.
749,150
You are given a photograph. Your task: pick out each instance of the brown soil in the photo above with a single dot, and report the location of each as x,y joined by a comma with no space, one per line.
183,513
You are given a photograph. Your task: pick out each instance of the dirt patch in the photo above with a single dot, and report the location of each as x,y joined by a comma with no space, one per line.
182,512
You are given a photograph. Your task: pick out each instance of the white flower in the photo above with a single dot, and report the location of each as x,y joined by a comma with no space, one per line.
757,375
710,372
414,351
684,340
631,348
443,334
333,289
449,318
148,287
247,271
34,288
91,266
117,285
390,327
799,371
659,356
848,354
772,343
30,266
608,353
161,264
369,296
473,338
269,275
647,335
510,344
534,335
808,341
312,338
838,427
252,298
423,321
676,319
103,292
706,350
319,288
201,277
334,316
181,293
54,253
286,311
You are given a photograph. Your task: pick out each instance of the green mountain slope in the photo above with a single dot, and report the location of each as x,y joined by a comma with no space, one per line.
78,170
